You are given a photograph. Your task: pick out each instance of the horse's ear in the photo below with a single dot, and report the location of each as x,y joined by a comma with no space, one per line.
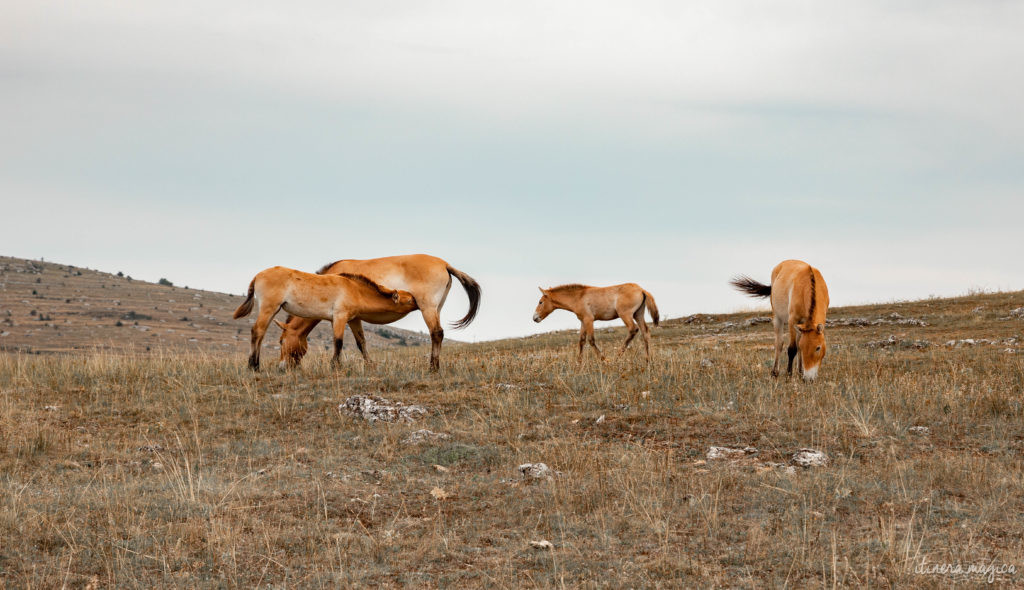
542,291
820,328
280,325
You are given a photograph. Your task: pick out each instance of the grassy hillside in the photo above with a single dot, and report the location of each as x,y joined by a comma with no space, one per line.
181,469
47,307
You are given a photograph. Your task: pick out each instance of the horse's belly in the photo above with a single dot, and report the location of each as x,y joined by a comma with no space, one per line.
606,315
305,311
381,317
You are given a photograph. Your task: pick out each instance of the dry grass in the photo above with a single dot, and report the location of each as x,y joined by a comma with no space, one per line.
187,470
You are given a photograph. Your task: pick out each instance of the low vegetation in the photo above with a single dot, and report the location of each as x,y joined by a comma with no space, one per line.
185,469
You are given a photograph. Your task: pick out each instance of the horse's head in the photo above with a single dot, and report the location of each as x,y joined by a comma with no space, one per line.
293,345
811,342
404,299
544,307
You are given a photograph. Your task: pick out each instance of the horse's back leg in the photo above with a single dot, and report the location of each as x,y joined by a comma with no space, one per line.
357,332
778,324
432,317
632,326
259,330
645,332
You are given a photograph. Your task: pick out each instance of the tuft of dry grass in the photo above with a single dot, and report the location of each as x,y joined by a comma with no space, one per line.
183,469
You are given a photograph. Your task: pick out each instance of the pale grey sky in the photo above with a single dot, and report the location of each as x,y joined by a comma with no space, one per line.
672,144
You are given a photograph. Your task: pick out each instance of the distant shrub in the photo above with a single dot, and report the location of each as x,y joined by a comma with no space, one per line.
165,282
118,324
120,274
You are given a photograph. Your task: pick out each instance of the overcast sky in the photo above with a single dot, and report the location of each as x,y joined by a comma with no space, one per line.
672,144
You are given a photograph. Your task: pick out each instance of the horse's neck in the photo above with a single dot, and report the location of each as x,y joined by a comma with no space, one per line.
567,301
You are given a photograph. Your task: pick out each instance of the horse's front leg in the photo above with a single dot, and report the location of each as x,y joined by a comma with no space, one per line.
589,327
338,327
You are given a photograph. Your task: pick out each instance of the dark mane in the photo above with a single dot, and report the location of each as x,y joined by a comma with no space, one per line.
323,269
814,299
384,291
569,287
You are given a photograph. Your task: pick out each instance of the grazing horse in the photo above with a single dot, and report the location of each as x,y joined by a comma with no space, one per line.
799,300
428,278
626,301
340,298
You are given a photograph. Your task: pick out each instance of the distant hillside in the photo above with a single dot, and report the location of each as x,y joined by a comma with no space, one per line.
47,307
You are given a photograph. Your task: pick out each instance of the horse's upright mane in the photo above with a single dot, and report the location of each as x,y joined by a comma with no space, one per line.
360,278
324,268
814,301
569,287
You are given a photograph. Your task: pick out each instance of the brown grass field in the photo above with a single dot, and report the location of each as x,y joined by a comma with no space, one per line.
181,468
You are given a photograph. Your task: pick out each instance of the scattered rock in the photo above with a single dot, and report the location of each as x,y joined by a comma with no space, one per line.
535,471
598,421
157,466
757,320
373,408
894,342
505,387
920,430
51,408
706,363
542,544
424,435
892,319
810,458
441,469
1017,313
150,449
729,452
978,341
439,494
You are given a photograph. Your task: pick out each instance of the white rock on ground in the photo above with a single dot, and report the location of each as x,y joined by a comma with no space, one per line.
424,435
373,409
535,470
729,452
542,544
810,458
920,430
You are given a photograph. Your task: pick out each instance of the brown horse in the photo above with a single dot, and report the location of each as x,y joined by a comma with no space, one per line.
428,278
799,300
626,301
340,298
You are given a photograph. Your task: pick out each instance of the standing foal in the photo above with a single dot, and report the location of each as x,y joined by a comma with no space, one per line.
626,301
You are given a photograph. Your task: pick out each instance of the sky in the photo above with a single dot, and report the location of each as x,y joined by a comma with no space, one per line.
673,144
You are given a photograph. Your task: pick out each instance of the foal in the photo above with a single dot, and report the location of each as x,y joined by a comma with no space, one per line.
340,298
626,301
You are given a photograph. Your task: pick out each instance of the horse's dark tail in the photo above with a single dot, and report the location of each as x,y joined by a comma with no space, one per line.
472,291
745,284
246,307
652,307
